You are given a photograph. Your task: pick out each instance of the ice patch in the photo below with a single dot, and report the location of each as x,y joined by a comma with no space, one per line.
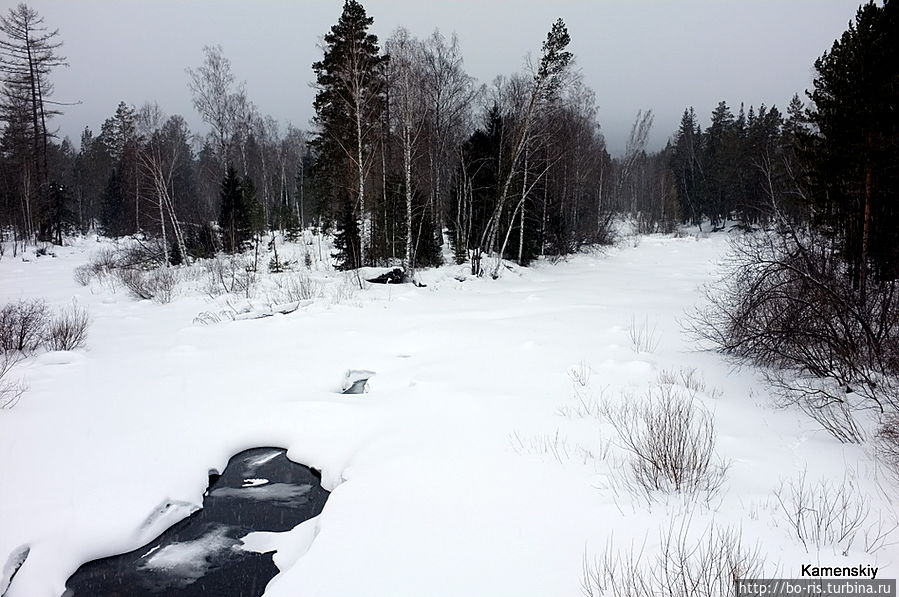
151,551
284,493
184,563
255,462
254,482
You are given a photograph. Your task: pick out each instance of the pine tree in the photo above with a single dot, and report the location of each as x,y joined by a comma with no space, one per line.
854,154
348,108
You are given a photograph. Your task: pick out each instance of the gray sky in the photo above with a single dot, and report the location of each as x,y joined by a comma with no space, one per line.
658,54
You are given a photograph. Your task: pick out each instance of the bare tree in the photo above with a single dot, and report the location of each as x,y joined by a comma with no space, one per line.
217,97
409,111
634,151
160,154
28,54
450,93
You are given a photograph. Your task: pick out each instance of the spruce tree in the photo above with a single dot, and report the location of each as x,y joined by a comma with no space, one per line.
233,215
687,168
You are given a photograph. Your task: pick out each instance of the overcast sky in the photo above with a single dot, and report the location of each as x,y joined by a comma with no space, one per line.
658,54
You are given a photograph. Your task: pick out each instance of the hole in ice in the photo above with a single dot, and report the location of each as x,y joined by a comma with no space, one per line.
202,555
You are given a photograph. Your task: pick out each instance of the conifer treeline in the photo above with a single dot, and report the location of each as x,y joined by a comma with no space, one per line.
739,168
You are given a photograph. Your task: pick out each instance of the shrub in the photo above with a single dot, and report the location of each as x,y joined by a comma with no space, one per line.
10,390
644,337
68,328
157,285
787,304
83,275
671,442
828,514
229,275
294,287
888,443
23,325
705,567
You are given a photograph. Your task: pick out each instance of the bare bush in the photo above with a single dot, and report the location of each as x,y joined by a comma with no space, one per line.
787,304
644,337
687,377
23,325
229,275
705,567
346,289
824,513
101,266
158,285
68,328
10,389
164,282
671,441
83,274
141,254
580,374
295,286
585,405
555,446
888,443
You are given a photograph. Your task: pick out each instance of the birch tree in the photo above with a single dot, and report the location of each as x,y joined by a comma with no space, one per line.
409,112
160,156
217,97
547,80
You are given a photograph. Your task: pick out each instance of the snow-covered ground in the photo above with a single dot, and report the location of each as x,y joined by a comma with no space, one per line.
476,465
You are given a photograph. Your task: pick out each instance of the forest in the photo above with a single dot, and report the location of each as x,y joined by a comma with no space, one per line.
406,152
444,308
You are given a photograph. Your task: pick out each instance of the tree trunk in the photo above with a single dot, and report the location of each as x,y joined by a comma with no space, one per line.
866,224
407,171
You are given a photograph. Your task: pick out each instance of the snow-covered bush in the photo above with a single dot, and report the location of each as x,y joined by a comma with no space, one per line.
23,325
158,285
68,328
671,441
703,567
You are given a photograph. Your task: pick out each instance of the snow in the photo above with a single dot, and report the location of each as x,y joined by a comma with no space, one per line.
476,465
